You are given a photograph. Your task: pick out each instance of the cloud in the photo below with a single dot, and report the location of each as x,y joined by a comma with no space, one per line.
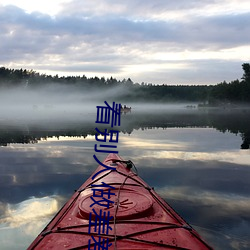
26,220
144,10
29,210
93,38
233,204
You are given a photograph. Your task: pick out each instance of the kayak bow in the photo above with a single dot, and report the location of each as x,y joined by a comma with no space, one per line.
138,217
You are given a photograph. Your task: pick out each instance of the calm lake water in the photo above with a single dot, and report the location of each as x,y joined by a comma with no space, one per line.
197,160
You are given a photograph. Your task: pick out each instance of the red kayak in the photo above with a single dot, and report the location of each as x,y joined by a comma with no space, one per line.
116,209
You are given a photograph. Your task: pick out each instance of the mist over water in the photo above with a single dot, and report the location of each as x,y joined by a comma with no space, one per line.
60,108
53,102
61,102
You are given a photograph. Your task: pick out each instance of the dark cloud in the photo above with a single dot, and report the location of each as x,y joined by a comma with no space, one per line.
225,31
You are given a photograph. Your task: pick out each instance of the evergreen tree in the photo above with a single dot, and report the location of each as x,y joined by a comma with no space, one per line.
246,69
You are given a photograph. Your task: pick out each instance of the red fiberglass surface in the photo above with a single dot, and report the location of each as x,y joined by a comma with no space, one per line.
132,216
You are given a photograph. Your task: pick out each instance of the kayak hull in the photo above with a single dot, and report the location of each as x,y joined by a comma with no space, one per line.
136,216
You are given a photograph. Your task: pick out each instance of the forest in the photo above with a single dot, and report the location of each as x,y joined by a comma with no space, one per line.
224,93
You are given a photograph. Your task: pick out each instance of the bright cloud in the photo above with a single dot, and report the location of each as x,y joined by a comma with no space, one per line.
29,211
45,6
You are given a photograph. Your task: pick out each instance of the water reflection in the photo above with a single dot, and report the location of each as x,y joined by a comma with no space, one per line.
195,166
20,222
33,209
31,131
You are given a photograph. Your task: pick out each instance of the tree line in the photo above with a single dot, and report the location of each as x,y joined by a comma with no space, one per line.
236,91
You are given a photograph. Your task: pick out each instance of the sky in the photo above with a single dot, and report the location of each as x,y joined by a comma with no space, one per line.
159,41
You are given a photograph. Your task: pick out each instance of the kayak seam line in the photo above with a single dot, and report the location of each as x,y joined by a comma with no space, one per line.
119,236
128,237
125,222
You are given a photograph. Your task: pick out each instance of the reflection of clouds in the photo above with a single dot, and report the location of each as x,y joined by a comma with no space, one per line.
22,222
45,168
203,144
69,138
236,156
62,157
228,203
29,212
222,219
153,155
226,240
185,139
2,209
148,144
156,139
201,178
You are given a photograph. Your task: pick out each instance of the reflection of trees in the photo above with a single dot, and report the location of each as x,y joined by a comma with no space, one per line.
16,137
233,121
236,122
19,134
246,141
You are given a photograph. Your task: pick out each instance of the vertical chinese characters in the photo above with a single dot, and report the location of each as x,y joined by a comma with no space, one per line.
99,220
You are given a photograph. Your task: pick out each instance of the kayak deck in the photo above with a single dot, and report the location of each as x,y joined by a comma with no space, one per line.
138,217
